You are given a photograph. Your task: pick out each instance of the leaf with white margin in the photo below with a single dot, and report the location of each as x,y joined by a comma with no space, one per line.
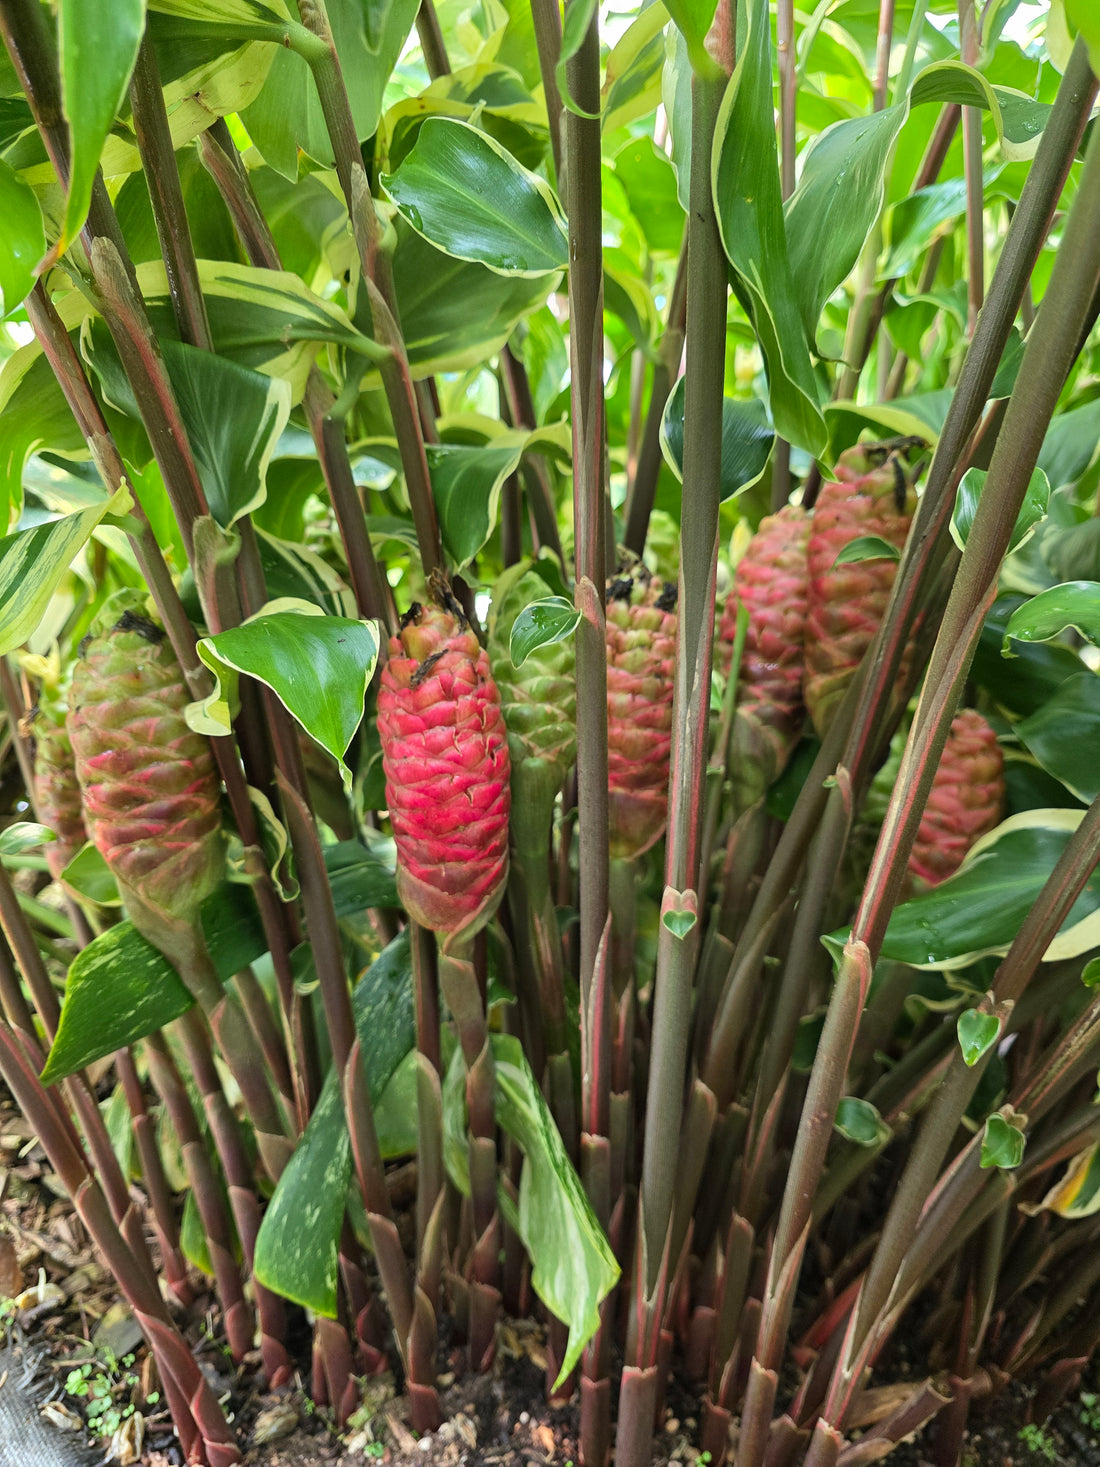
318,667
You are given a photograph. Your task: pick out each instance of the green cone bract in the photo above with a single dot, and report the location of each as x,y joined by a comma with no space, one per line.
149,783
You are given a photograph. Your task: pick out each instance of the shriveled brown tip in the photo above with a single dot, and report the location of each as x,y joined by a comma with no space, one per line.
129,621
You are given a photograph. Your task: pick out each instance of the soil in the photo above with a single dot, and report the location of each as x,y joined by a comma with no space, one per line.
65,1308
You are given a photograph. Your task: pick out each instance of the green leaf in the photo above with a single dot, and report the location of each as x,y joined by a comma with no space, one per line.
33,414
1083,15
1064,735
745,172
540,624
979,910
361,877
576,21
679,923
1077,1194
89,875
318,666
833,210
193,1241
22,836
1090,973
32,563
747,439
1032,511
572,1266
465,193
145,992
693,19
1070,444
455,313
978,1032
297,1247
867,547
1002,1143
858,1120
1075,604
466,484
287,115
632,75
98,46
22,240
233,418
911,224
1023,682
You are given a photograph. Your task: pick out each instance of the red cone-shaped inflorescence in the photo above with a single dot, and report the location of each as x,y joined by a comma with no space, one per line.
846,603
770,583
150,787
445,756
641,668
966,802
57,792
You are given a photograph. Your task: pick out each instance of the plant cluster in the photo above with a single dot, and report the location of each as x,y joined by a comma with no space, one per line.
549,622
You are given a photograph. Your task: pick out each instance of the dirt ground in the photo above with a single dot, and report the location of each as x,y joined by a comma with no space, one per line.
81,1357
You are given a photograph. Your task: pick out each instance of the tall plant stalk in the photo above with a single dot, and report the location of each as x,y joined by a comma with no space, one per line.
1048,357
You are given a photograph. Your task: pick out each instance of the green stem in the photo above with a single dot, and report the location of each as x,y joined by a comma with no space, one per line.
158,157
431,40
462,990
377,279
372,592
1048,357
195,1409
972,166
583,206
546,15
677,949
643,487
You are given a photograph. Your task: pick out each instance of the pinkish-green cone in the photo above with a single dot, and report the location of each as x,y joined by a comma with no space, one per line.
966,801
150,788
846,603
445,756
641,667
539,699
770,583
57,792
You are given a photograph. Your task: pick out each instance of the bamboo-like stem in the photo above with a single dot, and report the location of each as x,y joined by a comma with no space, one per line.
788,101
583,195
1022,244
580,144
377,278
458,980
12,699
972,166
1048,357
1072,870
204,1432
643,487
676,950
372,592
340,1020
431,40
540,490
70,375
169,214
156,1183
546,15
169,1085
